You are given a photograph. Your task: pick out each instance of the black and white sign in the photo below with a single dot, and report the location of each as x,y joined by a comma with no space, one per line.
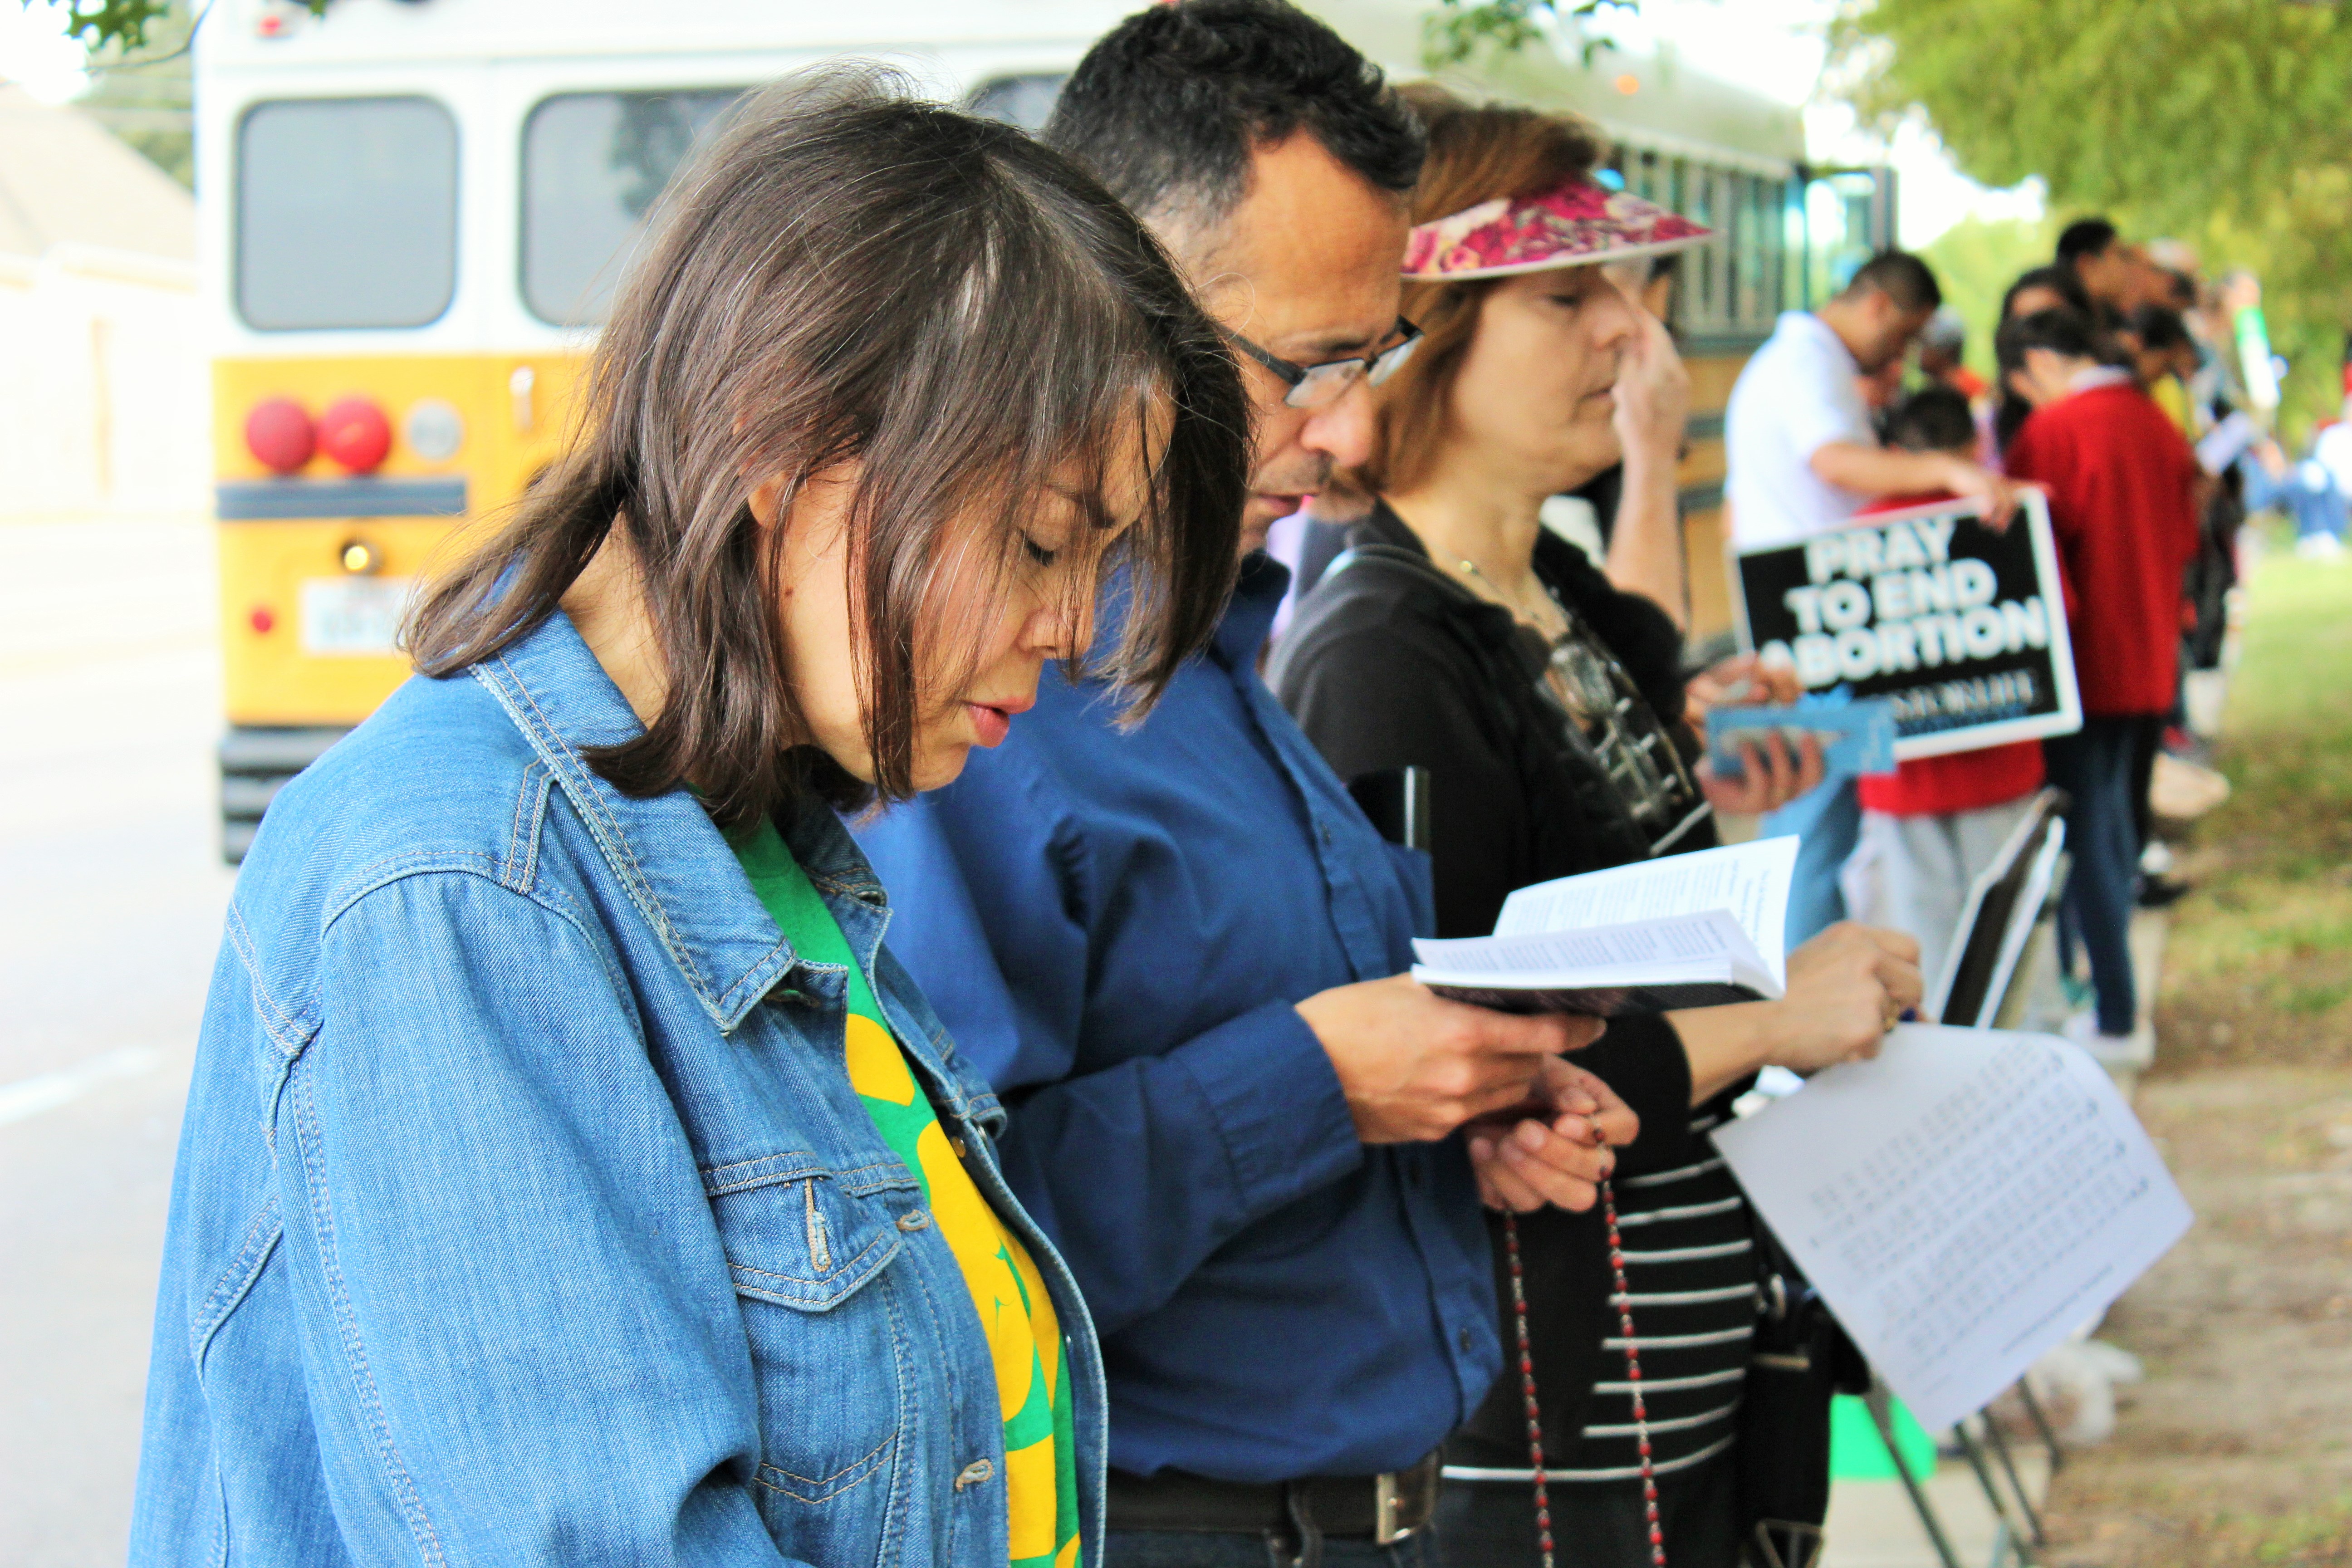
1962,629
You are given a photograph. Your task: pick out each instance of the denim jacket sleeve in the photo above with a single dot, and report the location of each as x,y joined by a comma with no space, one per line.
1138,1169
561,1374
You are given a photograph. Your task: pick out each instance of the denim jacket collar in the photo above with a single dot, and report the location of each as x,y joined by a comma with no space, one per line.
664,850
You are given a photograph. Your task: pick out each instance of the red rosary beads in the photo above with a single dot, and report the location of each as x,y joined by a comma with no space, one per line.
1623,1298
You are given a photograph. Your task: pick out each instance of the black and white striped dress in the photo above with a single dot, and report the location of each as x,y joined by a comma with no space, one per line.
1690,1269
1690,1266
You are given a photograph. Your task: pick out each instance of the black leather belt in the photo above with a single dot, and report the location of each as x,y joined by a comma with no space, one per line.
1382,1509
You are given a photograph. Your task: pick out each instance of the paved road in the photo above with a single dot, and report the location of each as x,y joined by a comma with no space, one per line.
110,899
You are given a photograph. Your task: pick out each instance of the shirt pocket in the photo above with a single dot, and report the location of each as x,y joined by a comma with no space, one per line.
809,1250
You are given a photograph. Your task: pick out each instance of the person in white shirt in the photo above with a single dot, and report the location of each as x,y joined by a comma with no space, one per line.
1802,458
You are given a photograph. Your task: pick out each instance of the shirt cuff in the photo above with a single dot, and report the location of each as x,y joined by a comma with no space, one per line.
1276,1103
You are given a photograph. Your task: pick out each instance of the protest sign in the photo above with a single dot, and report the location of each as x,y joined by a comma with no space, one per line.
1962,629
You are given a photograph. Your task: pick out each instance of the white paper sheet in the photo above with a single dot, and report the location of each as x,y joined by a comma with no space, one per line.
1751,881
1962,1202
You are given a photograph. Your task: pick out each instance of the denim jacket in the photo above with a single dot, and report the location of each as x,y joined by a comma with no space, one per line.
524,1211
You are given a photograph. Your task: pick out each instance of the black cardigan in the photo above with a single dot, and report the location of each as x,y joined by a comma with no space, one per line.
1388,665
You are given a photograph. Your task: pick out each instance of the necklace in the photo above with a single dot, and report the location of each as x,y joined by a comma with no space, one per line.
1551,611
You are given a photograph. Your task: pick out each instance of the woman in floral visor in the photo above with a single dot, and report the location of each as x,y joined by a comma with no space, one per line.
1548,702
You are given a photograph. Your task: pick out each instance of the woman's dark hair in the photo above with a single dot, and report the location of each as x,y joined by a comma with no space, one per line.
2157,327
2060,281
2067,332
846,275
2009,419
1167,106
1476,154
1935,418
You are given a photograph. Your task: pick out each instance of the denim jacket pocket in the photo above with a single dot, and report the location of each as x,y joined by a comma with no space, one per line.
835,1369
802,1235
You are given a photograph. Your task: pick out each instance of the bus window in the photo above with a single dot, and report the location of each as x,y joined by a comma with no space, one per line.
1024,101
593,164
346,213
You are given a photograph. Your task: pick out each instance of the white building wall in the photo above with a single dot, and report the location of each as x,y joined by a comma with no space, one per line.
104,393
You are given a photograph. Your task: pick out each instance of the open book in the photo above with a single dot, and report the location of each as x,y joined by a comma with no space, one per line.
1690,931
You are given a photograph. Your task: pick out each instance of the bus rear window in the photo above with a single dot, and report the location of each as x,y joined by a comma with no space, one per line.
592,164
346,213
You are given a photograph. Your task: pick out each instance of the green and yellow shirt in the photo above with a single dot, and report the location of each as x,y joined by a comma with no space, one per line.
1025,1337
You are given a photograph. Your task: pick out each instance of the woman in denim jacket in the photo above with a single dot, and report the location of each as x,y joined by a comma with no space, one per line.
570,1175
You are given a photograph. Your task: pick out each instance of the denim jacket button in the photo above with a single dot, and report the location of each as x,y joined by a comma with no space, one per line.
974,1473
958,1145
913,1219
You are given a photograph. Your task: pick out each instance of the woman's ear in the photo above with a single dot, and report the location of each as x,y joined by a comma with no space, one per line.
763,497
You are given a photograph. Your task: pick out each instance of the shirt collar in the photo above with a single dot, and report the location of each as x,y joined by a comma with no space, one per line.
663,849
2098,375
1249,615
1806,323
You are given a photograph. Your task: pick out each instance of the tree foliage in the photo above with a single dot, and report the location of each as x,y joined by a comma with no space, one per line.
144,95
122,24
2221,121
1458,29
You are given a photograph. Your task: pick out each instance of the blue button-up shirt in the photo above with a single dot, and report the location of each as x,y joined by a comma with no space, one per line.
1114,925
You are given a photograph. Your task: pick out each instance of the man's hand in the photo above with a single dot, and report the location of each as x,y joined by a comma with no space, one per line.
1847,987
1414,1066
1556,1148
1963,478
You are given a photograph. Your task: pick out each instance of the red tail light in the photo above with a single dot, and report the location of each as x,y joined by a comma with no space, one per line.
279,435
354,432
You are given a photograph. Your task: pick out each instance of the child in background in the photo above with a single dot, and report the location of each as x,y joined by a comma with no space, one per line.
1933,824
2123,503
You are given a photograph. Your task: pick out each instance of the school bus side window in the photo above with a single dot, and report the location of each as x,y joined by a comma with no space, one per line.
592,164
346,213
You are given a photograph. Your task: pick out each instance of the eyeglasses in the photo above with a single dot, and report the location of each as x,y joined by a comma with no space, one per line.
1318,386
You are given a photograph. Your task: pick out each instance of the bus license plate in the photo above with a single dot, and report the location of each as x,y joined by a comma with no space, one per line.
353,615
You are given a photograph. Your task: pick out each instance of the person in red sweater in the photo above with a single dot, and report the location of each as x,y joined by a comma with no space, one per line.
2122,484
1933,824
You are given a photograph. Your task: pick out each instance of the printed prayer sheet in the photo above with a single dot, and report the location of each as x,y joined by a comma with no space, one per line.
1962,1202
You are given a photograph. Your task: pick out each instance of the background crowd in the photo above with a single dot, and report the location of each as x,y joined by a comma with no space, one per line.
2133,395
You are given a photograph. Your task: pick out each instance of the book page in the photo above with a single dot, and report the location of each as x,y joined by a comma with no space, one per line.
1687,946
1962,1202
1750,881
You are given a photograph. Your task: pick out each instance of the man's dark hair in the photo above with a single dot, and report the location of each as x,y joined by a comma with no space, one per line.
2067,332
2083,236
1167,106
2060,281
1932,420
845,274
1900,277
2158,328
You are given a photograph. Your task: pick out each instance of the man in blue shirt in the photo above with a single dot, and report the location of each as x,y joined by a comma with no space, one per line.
1179,948
1176,950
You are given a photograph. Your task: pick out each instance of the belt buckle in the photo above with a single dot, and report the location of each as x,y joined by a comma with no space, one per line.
1385,1501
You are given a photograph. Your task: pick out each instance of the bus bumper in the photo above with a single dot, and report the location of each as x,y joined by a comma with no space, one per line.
255,764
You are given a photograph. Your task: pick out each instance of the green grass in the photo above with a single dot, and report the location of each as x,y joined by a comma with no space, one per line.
2260,962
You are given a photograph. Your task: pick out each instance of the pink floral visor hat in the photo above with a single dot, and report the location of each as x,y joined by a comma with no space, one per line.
1578,224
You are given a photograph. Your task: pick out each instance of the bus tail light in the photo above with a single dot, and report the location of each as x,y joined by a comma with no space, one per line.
279,435
354,432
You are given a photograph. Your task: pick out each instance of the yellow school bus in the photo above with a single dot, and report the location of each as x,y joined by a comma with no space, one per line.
416,210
